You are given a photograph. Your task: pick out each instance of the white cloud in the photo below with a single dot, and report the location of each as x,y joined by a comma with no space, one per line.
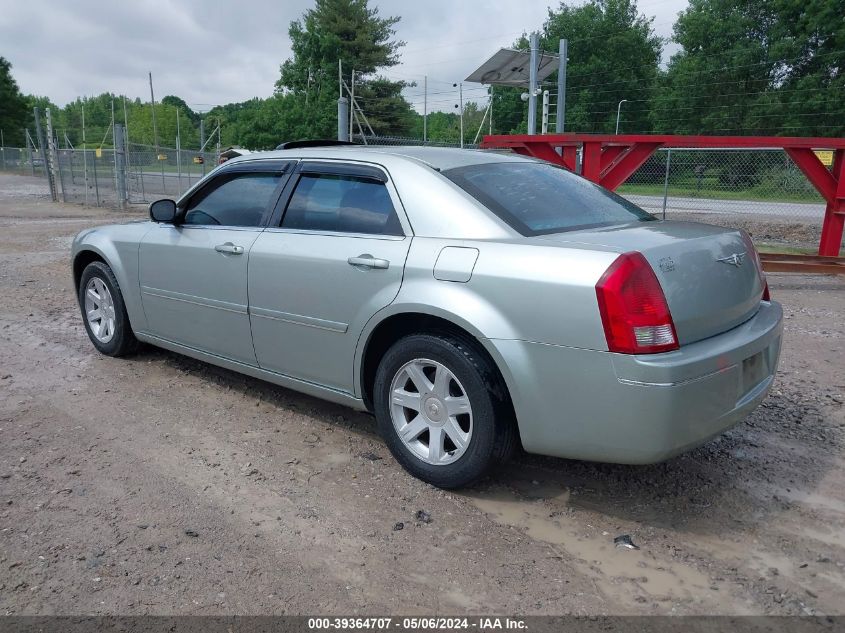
216,52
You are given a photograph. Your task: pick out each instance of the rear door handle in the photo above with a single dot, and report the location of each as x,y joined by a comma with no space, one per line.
228,247
368,261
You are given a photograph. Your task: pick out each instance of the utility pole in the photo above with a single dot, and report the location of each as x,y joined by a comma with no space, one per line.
153,102
155,132
53,161
84,155
179,151
352,100
425,108
460,87
344,118
534,41
41,151
560,117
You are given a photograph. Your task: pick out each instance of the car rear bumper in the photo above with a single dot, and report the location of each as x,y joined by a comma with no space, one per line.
601,406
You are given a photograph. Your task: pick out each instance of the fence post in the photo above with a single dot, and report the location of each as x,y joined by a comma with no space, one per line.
120,164
342,116
30,152
50,182
666,180
96,180
3,150
54,158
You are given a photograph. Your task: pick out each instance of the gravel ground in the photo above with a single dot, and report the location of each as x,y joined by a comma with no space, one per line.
162,485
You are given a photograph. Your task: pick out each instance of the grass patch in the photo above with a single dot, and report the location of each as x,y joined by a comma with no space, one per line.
714,191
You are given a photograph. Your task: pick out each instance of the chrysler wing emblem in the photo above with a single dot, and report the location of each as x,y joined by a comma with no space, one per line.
734,260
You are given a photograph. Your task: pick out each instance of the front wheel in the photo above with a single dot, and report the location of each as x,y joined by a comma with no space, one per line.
442,410
104,312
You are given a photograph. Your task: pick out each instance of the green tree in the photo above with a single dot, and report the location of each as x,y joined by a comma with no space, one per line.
183,107
756,67
14,113
613,55
350,32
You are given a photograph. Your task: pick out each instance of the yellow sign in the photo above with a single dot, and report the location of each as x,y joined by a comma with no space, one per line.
98,152
825,156
199,160
162,156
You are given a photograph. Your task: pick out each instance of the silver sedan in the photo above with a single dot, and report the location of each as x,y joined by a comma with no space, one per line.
473,301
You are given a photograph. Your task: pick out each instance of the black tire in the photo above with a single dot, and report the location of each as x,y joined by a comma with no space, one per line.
123,341
494,434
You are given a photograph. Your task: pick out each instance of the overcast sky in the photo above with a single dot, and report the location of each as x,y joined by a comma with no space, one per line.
212,52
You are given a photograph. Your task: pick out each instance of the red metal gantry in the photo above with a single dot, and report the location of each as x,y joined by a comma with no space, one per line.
609,160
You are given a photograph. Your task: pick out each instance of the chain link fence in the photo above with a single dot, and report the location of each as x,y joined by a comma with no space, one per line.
760,190
724,182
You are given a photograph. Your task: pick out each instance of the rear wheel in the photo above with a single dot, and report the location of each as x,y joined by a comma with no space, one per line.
104,312
442,410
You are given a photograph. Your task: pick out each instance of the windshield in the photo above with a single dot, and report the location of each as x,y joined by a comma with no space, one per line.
538,198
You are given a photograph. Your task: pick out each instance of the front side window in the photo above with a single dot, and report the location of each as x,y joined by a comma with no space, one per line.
342,204
539,198
240,200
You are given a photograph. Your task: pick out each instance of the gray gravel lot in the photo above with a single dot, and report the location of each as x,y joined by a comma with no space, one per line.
162,485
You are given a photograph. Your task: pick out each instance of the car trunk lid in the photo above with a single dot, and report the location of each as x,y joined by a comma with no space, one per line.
709,277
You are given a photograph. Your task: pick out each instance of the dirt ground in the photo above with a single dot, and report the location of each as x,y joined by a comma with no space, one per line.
162,485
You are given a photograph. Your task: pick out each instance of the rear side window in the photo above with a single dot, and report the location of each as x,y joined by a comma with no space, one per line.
539,198
239,200
342,204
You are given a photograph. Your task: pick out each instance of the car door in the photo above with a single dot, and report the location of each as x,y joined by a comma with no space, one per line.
193,275
317,275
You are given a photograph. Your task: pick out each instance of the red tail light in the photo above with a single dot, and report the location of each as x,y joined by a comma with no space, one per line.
633,308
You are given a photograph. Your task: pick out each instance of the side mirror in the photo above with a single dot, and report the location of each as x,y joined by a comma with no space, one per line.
163,211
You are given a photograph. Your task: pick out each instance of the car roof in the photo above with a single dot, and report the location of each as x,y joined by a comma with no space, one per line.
440,158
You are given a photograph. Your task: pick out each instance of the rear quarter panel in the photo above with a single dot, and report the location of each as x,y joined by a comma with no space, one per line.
519,291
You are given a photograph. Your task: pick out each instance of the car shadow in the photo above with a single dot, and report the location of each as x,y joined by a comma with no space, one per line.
761,467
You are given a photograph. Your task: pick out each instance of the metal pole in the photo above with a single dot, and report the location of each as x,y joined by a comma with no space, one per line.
43,154
342,117
113,149
666,180
54,159
490,120
120,165
96,180
84,155
560,117
202,144
29,149
618,111
544,126
155,133
425,109
179,152
3,149
352,100
461,98
534,41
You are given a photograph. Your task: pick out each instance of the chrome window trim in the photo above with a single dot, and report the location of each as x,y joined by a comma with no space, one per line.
360,236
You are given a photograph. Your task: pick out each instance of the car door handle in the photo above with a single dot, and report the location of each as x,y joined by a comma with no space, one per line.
368,261
228,247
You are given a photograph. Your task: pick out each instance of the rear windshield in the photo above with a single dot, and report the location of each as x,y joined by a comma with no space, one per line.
538,198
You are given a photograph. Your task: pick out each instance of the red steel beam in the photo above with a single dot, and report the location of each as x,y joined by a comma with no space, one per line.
627,165
668,140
